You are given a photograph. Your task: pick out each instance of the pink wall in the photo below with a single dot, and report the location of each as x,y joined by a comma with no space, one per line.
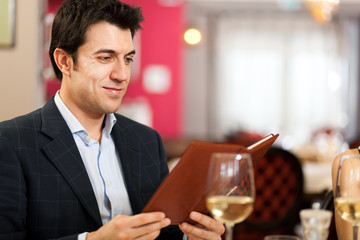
161,44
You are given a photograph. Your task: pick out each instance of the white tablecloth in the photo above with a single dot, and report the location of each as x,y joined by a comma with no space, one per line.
317,176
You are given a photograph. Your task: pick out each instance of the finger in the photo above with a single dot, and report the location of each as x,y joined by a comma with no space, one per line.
146,218
135,235
208,222
194,232
129,227
151,227
149,236
154,226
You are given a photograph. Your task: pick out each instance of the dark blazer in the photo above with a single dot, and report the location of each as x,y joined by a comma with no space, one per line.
45,192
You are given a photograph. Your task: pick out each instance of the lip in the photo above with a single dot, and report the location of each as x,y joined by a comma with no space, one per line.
115,91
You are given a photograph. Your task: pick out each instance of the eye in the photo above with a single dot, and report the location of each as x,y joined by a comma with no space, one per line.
105,58
128,60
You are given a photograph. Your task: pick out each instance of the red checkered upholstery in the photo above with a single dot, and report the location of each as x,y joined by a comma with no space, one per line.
279,191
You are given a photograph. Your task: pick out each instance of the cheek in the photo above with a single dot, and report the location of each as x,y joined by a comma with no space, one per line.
93,70
94,78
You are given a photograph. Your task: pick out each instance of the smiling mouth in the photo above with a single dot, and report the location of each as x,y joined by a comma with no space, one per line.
113,90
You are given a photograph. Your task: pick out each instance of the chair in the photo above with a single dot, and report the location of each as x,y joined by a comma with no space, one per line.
354,143
279,189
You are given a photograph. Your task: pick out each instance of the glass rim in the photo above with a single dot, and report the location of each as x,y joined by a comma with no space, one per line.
245,154
320,212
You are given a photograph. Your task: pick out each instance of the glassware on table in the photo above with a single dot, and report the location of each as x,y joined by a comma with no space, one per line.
347,191
230,188
315,223
281,237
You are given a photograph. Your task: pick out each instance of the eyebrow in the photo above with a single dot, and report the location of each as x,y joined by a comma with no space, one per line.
131,53
113,52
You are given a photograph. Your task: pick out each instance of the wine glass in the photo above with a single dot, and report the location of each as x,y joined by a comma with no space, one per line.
230,188
347,191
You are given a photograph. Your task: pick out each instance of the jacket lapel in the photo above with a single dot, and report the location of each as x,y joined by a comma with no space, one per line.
63,153
130,163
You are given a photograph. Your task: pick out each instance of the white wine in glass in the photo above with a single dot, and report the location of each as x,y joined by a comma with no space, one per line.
347,191
230,189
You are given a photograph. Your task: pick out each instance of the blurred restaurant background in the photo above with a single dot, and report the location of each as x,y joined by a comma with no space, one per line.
247,68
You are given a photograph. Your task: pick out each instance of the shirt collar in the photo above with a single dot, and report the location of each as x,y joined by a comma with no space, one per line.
74,124
110,121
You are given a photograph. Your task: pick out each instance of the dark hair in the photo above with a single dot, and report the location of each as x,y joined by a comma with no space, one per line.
74,17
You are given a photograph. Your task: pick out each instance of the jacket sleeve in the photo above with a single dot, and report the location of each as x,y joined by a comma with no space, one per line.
13,200
172,232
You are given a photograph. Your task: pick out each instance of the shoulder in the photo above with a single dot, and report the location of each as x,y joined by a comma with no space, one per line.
135,133
16,131
127,124
30,120
336,161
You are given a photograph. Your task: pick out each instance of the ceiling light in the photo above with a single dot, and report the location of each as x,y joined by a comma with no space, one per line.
192,36
322,10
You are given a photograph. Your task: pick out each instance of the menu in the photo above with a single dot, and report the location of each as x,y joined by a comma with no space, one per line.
184,189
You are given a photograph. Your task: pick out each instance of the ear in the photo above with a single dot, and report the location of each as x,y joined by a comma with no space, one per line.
63,61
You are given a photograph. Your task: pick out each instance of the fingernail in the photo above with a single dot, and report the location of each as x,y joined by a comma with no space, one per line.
194,214
184,225
167,221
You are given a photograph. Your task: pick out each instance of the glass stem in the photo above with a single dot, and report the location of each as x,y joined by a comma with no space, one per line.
355,232
229,231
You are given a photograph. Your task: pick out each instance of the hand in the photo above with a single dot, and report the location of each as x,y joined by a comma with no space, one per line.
143,226
343,228
207,227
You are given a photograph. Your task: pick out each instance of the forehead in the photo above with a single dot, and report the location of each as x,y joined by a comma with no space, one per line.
106,35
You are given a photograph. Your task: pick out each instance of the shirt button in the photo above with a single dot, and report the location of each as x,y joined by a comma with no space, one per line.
87,138
108,184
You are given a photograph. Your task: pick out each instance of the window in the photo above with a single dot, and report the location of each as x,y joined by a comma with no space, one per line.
278,74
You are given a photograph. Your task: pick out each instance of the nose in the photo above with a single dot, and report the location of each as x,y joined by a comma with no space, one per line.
120,71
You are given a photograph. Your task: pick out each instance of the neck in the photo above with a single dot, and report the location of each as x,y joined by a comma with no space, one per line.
93,126
92,122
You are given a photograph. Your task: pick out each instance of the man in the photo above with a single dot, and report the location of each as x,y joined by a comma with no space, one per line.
74,169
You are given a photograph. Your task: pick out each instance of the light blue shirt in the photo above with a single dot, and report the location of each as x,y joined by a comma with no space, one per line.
102,163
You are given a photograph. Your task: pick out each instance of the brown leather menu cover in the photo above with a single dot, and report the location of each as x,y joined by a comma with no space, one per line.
184,189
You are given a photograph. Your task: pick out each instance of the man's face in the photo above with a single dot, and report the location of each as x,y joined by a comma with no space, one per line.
99,79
